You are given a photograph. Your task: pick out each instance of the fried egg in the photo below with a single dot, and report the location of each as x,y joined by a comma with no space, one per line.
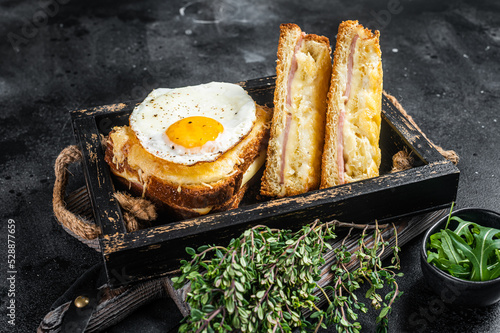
193,124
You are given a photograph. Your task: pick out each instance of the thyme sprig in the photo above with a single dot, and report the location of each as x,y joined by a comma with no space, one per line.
345,304
267,281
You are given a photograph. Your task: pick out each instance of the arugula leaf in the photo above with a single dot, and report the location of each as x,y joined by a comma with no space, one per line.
495,271
459,271
463,229
470,252
477,273
453,255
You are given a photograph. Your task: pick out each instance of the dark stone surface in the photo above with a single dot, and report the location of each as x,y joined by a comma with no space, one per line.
440,60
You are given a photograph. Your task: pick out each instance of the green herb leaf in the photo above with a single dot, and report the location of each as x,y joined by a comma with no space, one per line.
478,255
452,254
470,251
190,251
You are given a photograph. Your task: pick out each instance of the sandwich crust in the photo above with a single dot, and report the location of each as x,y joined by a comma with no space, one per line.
297,132
358,112
182,187
184,212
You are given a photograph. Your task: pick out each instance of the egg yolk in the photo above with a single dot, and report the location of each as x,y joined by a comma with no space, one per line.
194,132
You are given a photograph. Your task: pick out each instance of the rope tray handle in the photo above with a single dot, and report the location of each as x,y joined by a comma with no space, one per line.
135,210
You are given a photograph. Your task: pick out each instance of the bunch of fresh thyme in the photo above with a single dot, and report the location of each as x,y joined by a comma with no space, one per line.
266,280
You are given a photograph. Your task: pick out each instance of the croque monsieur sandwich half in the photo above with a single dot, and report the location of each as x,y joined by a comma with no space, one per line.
296,141
351,151
193,149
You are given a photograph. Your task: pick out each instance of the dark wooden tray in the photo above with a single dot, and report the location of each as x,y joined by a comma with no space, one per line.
430,185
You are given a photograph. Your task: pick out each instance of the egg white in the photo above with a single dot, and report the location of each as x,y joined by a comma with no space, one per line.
227,103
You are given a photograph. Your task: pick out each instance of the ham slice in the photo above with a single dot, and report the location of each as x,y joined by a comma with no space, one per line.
340,129
350,61
283,149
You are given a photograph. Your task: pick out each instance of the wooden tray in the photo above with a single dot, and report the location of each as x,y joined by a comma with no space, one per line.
152,252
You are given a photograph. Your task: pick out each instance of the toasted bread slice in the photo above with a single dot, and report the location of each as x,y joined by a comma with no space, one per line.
351,151
297,132
183,212
194,187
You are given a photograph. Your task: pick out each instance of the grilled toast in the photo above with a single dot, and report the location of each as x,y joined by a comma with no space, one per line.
351,150
297,133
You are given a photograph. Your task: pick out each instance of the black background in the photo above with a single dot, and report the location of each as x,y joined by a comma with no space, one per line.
440,59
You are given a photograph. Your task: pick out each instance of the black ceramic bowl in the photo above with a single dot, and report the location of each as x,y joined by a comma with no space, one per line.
453,290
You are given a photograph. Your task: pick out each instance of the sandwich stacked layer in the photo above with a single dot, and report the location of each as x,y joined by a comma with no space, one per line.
176,159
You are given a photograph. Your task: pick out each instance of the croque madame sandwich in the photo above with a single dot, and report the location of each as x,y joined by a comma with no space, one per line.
297,133
351,150
192,149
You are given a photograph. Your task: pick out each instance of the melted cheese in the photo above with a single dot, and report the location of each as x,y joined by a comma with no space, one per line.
247,176
362,126
307,111
254,167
